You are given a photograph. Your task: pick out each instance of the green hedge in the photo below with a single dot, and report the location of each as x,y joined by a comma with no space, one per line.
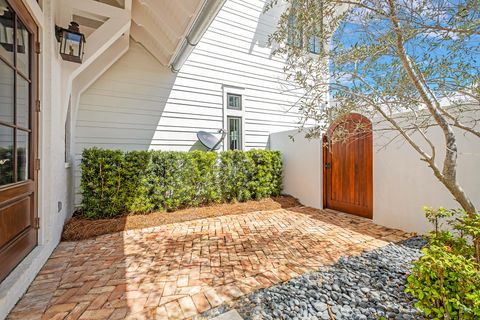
116,182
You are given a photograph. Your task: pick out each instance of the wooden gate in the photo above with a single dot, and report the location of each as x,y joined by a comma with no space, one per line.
347,166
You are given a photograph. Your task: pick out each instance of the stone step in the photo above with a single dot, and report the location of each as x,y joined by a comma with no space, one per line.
230,315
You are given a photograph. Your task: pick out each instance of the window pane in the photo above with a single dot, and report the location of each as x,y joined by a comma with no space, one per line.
294,36
22,155
314,44
6,155
234,101
6,93
23,102
291,29
234,134
23,49
7,26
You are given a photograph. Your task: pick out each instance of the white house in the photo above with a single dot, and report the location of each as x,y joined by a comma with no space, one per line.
152,76
230,81
154,73
39,102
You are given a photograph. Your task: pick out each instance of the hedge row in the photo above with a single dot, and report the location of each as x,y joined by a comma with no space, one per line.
116,182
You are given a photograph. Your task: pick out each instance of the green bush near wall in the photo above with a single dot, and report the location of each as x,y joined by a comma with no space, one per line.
116,182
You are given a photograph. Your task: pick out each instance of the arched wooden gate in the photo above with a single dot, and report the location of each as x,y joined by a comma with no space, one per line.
348,167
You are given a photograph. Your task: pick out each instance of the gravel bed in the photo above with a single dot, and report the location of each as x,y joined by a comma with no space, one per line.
369,286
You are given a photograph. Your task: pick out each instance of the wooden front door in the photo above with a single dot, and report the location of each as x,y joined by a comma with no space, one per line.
347,166
18,134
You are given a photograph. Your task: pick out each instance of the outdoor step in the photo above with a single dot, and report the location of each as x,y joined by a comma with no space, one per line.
230,315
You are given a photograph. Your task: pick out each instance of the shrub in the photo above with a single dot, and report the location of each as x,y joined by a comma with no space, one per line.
182,179
446,279
134,174
116,182
267,173
203,172
234,176
111,181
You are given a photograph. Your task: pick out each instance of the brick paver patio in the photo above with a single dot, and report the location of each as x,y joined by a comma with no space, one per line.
177,271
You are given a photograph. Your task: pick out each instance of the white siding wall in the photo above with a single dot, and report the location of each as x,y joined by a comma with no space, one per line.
138,104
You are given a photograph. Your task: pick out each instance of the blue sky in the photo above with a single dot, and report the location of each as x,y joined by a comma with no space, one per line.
425,49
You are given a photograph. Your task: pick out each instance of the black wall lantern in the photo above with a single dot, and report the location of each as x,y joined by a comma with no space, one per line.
72,42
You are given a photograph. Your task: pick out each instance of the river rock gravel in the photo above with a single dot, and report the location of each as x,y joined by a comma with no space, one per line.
369,286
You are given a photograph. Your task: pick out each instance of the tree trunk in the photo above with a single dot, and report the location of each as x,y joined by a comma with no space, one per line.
449,174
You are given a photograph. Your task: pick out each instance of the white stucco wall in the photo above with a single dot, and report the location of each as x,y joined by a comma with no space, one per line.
402,183
302,166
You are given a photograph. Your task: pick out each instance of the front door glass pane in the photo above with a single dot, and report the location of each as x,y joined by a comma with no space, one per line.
23,102
6,155
22,155
15,97
23,49
7,27
7,76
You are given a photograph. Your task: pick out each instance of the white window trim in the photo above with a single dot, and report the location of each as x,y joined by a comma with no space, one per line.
233,113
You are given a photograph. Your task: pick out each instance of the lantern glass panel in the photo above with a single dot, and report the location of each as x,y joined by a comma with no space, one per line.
73,41
7,25
23,49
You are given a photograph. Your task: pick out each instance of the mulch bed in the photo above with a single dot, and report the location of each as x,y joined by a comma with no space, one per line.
79,228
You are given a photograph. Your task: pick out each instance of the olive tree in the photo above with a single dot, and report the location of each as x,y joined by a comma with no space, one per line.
409,65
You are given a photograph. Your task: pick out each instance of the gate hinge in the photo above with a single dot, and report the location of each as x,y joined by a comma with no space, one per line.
36,223
37,106
38,48
37,164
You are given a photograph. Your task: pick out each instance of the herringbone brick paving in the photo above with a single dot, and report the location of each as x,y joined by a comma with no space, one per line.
177,271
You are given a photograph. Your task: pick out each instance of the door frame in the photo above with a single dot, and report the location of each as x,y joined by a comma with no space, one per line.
327,158
22,13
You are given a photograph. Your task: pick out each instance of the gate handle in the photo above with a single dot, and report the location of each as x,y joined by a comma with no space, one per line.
3,161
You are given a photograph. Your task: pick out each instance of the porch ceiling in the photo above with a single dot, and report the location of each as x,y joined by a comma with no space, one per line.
161,25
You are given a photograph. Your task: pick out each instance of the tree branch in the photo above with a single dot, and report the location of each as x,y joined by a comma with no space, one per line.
448,176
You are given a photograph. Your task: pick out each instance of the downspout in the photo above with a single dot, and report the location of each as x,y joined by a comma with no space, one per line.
203,20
